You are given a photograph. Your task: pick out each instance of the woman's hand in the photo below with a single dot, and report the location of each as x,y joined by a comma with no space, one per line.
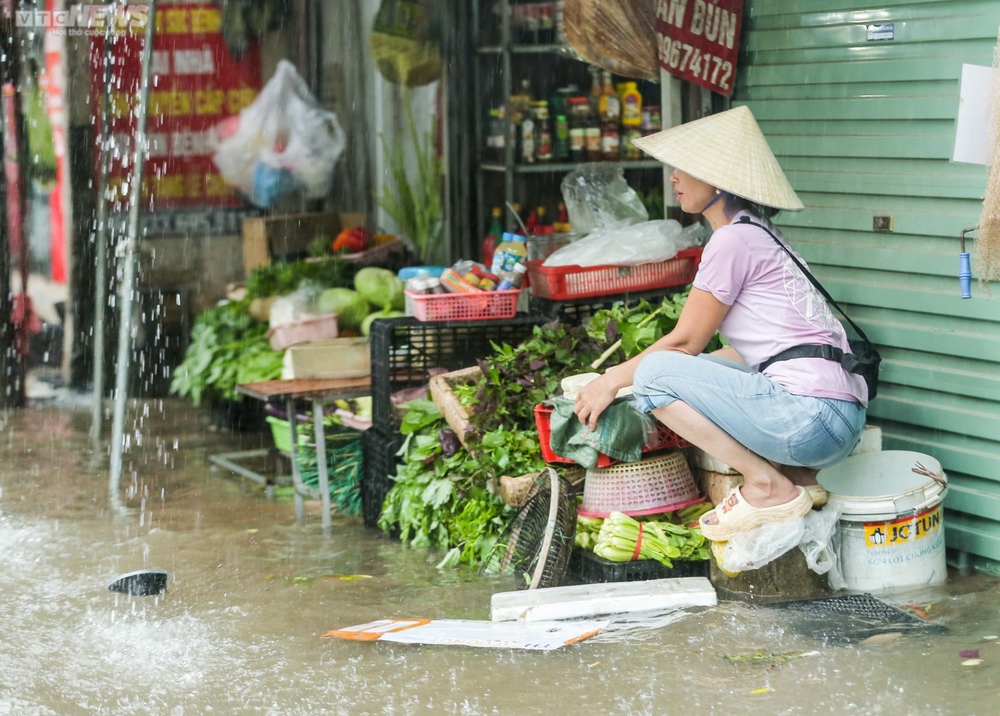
593,398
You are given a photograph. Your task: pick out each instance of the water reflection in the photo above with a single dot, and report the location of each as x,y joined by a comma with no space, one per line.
251,591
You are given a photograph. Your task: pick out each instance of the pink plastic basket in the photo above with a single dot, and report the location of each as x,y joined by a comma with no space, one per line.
315,328
480,306
648,487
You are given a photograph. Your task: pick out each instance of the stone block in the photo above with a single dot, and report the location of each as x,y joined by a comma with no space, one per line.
716,485
786,578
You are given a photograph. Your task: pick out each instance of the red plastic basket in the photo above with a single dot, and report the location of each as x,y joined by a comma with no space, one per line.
481,306
560,283
665,438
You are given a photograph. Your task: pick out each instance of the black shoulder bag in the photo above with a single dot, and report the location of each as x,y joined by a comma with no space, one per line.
863,359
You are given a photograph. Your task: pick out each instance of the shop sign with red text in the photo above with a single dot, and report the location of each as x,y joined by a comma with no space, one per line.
699,40
196,84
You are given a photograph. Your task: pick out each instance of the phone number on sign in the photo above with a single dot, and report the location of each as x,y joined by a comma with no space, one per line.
683,57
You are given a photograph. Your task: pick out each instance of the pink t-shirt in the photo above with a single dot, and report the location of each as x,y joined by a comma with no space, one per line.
773,307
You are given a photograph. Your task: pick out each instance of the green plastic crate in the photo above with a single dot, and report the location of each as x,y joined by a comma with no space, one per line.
281,431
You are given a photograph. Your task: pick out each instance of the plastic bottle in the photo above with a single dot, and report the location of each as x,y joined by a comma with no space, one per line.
561,150
531,225
512,250
543,131
492,236
512,279
631,105
609,106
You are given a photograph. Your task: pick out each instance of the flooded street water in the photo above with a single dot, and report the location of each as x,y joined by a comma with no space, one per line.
252,591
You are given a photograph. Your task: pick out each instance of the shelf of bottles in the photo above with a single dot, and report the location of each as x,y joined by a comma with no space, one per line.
542,112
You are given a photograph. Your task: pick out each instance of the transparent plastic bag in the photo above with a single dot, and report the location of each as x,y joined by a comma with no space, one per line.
760,546
284,140
815,534
598,197
296,306
647,242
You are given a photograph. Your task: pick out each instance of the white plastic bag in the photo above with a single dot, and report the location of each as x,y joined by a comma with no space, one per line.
284,140
815,534
648,242
760,546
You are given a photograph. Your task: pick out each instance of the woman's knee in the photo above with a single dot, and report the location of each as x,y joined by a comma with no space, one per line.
654,371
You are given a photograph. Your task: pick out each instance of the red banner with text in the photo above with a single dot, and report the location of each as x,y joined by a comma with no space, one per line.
196,83
699,40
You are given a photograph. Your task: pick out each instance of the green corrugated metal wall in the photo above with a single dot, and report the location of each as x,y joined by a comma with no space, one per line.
863,129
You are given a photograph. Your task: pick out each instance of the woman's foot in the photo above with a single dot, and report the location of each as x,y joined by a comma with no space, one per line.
735,514
759,498
805,477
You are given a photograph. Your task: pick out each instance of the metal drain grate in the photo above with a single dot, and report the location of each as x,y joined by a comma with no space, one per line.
852,617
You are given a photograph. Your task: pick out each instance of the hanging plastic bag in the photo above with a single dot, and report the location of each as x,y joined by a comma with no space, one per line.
648,242
282,142
598,197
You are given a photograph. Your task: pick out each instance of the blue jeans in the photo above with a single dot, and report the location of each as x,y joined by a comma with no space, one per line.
758,413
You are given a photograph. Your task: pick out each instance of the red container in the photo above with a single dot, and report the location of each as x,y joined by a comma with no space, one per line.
478,306
561,283
665,438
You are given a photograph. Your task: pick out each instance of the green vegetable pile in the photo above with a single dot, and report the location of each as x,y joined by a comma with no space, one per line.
636,330
228,347
442,496
343,460
283,277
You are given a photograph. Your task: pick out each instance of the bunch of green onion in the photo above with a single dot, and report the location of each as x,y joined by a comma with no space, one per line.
624,539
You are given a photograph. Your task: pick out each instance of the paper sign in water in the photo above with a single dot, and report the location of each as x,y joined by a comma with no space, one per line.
540,636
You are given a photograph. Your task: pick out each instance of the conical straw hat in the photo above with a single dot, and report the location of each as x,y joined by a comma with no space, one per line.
728,151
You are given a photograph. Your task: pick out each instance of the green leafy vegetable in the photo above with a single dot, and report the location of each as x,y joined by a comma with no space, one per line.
228,347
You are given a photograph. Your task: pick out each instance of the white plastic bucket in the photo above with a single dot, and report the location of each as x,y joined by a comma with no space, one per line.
892,524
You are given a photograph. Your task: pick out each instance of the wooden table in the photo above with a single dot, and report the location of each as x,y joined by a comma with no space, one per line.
318,391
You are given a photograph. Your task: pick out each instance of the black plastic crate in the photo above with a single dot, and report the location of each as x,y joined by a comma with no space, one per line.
591,569
379,452
851,618
404,349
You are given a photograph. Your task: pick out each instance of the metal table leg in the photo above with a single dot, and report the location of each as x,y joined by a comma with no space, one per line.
300,504
324,476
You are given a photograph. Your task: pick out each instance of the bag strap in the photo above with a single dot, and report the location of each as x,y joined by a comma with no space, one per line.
812,279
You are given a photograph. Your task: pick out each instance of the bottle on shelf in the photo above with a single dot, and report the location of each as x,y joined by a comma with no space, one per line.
492,236
610,141
561,224
531,225
631,120
595,89
608,104
546,23
495,135
543,131
543,227
579,113
520,108
592,140
650,119
528,139
561,147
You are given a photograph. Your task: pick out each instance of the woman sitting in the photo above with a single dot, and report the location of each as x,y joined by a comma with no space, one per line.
778,426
